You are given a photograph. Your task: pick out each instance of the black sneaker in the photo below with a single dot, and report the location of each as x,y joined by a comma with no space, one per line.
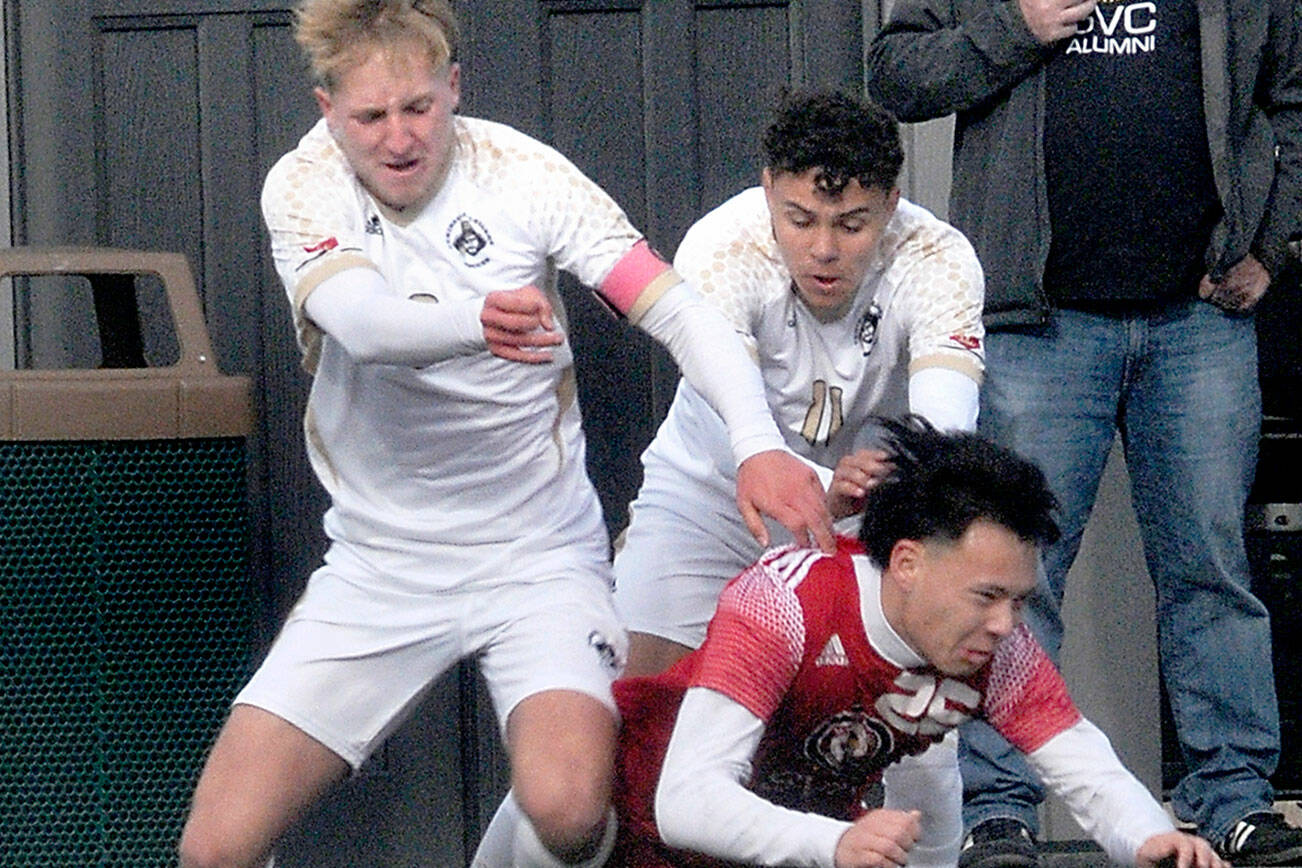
1263,838
999,843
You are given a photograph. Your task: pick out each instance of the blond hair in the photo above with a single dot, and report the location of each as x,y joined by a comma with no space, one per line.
338,34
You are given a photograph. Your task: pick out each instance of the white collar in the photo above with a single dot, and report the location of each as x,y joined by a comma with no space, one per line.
881,635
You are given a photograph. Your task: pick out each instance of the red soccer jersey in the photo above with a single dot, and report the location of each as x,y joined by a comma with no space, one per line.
789,643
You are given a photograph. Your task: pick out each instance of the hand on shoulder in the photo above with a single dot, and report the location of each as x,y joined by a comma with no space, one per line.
778,484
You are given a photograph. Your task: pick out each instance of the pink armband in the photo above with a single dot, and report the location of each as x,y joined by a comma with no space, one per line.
631,275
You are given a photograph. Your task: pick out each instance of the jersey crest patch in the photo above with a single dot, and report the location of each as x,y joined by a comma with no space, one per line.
866,332
469,237
851,744
833,653
606,651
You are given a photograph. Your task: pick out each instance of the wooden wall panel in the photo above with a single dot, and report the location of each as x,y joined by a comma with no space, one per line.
593,113
294,501
149,145
743,59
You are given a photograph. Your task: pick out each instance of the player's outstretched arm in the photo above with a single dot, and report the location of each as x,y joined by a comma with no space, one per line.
770,480
1178,850
879,839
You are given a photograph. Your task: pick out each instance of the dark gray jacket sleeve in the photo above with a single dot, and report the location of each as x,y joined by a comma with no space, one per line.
936,57
1281,85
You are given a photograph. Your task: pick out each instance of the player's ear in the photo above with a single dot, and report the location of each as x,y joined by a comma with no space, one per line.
454,83
323,102
906,558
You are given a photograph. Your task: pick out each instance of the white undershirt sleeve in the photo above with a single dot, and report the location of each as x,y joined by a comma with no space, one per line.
701,805
356,308
1108,802
929,782
944,397
715,362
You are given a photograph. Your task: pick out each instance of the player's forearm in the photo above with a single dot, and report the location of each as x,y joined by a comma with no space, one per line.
373,326
1108,802
701,804
714,360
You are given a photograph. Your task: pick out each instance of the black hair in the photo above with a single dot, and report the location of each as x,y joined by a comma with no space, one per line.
844,138
941,482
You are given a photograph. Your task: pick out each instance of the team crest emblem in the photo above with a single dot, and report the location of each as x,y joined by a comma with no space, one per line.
605,650
866,332
850,743
471,239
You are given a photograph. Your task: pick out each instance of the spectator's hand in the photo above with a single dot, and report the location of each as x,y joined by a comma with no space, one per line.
855,474
777,484
879,839
1241,287
1052,20
1177,850
519,325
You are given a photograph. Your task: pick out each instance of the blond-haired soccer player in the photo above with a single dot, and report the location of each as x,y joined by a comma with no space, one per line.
418,250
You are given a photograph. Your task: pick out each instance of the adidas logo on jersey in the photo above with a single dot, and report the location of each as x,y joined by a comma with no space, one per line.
833,653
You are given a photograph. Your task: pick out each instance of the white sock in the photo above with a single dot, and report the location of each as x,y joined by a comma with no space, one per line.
530,852
497,846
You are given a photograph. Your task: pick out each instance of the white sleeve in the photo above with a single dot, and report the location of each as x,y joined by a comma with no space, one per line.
1108,802
701,805
376,327
714,360
929,782
944,397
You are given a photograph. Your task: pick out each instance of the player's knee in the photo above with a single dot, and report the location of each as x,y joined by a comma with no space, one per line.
567,811
201,847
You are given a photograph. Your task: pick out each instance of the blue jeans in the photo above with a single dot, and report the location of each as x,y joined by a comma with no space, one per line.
1180,386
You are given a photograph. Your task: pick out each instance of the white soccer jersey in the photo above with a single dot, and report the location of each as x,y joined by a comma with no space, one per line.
919,306
473,464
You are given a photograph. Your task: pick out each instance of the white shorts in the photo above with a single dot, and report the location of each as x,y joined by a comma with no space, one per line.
669,570
684,542
357,653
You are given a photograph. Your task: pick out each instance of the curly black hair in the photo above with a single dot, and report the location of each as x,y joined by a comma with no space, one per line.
844,138
943,481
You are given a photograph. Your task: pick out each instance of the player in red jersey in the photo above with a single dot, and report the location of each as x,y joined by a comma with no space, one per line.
822,674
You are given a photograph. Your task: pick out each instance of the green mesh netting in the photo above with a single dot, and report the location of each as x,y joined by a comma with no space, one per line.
125,628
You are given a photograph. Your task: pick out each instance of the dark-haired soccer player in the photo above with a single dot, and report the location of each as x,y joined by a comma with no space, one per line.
852,301
822,674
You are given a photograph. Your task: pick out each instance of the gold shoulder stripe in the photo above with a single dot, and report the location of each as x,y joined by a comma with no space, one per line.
653,292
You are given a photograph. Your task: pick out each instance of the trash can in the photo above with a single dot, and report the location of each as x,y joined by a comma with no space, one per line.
125,600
